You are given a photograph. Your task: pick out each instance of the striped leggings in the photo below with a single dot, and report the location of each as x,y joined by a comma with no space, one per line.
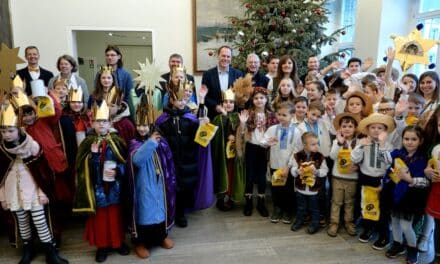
40,223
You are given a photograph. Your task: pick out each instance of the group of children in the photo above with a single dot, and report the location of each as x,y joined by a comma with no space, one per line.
323,150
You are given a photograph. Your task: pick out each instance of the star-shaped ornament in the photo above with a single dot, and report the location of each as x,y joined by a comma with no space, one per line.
8,64
149,76
413,48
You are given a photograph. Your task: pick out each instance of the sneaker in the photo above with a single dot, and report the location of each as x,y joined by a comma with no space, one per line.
381,243
287,218
350,228
312,229
332,229
101,255
296,226
141,251
395,250
412,255
366,236
276,215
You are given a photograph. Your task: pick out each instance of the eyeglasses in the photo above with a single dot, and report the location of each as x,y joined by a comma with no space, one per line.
384,110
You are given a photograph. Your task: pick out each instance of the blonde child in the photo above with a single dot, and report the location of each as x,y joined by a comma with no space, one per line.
285,93
308,168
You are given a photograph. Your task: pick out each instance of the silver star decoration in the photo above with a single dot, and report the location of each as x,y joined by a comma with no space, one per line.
149,76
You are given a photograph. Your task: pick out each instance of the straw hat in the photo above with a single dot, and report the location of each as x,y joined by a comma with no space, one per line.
337,120
377,118
368,109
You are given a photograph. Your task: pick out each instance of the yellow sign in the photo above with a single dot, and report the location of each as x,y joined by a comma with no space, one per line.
205,133
344,161
45,107
370,203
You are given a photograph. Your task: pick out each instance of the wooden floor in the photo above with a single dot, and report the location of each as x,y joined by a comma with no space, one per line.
218,237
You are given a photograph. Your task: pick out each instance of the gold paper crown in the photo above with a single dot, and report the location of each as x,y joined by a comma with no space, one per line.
19,100
178,68
75,94
229,95
17,82
100,112
8,117
178,92
143,116
106,69
114,96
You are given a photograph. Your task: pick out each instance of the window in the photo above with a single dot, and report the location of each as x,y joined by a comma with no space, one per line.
348,19
429,16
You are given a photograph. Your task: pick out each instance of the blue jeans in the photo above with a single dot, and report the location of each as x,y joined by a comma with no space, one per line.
309,202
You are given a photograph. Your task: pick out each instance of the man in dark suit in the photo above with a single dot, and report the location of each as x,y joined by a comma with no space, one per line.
253,67
174,61
219,79
33,71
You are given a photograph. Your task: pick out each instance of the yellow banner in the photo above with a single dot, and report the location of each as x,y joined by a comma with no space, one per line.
344,161
45,107
205,133
370,203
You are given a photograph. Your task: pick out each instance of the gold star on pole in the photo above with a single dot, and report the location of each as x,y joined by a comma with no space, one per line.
149,76
412,49
8,63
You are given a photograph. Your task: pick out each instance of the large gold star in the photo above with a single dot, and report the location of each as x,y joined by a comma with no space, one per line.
8,63
412,49
149,76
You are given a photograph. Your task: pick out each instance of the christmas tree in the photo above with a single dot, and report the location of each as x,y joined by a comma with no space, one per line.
278,27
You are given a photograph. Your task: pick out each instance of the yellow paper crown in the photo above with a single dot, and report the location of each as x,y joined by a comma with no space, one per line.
17,82
100,112
8,117
75,94
114,96
106,69
19,100
229,95
178,68
142,117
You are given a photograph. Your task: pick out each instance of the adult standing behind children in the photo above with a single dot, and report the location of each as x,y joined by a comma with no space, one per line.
219,79
33,71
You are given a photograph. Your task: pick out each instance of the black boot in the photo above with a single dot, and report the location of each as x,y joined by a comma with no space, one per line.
261,206
249,205
52,255
28,252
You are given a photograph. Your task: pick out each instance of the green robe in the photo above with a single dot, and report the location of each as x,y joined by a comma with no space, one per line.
227,126
84,201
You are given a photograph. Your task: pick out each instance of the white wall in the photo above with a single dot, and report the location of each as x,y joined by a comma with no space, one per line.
48,25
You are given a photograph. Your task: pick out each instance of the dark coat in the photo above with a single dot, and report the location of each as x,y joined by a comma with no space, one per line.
24,74
214,95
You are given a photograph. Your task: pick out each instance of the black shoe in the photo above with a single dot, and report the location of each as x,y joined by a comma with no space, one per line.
101,255
296,226
312,229
28,252
52,256
412,255
181,221
261,207
276,215
395,250
322,221
381,243
249,206
222,206
366,236
124,250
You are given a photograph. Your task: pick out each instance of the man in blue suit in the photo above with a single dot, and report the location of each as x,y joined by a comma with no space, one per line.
219,79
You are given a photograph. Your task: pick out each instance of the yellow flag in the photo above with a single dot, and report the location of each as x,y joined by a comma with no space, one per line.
205,133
